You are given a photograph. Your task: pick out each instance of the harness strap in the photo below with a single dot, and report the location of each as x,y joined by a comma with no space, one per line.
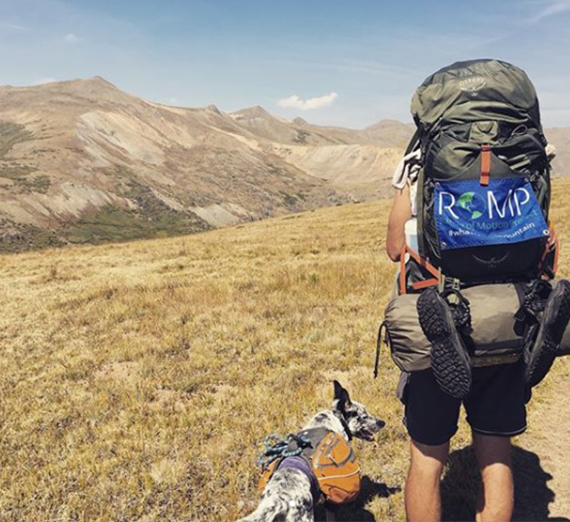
556,254
403,270
301,464
279,448
553,244
422,262
345,426
420,285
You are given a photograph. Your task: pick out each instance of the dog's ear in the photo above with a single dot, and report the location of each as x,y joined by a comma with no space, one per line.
341,396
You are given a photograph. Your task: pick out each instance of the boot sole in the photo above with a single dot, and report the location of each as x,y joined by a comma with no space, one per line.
555,320
450,362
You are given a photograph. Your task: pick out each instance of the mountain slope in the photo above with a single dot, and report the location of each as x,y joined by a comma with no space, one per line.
82,161
360,161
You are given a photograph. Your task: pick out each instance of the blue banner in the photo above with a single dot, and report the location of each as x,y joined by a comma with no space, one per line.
468,214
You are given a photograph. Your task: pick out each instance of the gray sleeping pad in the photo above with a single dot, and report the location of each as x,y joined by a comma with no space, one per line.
493,309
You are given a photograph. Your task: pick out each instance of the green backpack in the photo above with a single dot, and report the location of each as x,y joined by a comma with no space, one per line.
484,186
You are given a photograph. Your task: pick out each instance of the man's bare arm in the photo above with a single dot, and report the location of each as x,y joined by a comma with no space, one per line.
400,213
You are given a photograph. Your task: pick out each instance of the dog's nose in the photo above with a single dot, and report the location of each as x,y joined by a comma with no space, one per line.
380,424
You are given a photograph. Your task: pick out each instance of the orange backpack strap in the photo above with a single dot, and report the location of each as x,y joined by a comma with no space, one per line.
266,472
421,261
336,469
485,165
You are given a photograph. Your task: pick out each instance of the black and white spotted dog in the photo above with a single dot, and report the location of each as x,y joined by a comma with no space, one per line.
288,496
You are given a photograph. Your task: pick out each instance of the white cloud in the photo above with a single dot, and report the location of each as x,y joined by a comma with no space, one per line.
71,38
319,102
550,9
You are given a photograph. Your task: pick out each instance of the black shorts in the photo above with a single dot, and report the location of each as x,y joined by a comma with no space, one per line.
494,406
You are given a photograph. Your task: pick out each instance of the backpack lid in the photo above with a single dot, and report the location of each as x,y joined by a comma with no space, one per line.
489,90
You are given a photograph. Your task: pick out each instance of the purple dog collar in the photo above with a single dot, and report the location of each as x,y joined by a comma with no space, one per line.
301,464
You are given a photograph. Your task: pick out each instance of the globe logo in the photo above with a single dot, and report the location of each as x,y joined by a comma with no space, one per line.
471,205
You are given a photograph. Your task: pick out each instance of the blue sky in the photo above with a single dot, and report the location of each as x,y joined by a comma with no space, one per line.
334,62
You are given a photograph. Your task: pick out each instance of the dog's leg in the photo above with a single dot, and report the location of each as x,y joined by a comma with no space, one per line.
303,516
268,510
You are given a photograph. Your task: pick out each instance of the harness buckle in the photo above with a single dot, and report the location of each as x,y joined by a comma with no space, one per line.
455,284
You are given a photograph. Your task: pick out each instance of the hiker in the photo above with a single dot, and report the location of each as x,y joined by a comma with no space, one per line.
479,146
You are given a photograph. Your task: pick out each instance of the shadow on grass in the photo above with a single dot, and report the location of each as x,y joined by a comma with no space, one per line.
356,510
460,487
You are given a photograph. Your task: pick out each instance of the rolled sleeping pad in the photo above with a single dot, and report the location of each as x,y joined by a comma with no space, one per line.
497,336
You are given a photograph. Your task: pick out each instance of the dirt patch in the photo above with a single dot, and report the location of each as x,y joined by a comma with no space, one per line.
120,371
165,399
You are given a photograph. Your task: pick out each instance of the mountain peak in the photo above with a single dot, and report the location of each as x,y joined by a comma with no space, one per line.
95,82
213,108
300,122
386,123
96,88
251,113
100,80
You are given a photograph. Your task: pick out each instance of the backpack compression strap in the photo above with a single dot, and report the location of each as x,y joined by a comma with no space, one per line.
424,263
485,165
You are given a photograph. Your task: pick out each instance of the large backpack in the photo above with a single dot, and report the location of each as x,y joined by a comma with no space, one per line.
484,186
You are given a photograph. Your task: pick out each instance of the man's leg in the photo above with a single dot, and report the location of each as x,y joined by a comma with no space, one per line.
496,500
431,420
496,412
422,495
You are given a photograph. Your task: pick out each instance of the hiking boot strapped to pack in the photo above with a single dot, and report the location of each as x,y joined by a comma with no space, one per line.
540,350
450,361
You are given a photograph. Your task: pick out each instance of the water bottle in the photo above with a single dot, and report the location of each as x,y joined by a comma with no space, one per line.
411,232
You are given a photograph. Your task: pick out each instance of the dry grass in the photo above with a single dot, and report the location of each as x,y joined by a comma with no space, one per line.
137,380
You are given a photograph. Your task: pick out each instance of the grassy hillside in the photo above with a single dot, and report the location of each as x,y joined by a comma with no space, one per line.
138,380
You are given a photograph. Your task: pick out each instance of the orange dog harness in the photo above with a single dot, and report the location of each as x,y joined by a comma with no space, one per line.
332,462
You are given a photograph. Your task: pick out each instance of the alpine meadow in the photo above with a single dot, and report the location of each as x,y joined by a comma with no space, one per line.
138,380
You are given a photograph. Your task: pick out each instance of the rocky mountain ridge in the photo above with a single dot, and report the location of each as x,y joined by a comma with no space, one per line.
83,162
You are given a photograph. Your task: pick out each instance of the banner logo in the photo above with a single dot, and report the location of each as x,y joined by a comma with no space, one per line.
468,214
